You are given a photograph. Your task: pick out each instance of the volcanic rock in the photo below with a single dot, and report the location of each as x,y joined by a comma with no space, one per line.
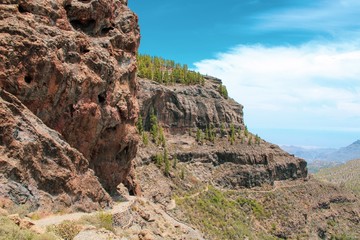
180,108
38,168
73,64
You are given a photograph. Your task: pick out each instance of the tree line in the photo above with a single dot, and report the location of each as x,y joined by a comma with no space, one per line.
166,71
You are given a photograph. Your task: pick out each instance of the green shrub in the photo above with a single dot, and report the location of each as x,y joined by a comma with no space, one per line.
145,138
67,230
99,220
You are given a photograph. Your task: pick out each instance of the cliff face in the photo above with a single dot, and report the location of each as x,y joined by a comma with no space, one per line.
72,63
38,168
181,110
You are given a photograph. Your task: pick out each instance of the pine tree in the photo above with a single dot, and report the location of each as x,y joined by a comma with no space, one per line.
167,163
232,133
139,125
145,138
250,140
257,139
246,132
154,127
175,162
239,132
222,130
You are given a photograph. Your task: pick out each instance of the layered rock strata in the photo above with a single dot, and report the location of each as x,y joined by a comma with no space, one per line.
73,64
181,110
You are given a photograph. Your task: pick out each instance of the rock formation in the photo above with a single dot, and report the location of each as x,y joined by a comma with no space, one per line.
38,168
181,110
72,63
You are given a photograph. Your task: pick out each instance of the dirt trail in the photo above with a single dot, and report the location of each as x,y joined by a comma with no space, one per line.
57,219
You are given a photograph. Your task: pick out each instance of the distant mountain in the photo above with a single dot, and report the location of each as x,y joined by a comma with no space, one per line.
346,153
347,174
326,154
320,158
309,153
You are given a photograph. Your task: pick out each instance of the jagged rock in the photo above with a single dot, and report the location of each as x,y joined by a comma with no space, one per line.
73,64
123,192
38,168
180,108
23,223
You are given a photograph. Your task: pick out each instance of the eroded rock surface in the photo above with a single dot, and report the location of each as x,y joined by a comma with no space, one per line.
72,63
38,168
180,108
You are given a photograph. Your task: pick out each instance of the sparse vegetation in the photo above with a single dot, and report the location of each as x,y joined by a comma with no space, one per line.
223,91
145,138
175,161
100,220
257,139
158,159
232,134
167,163
10,231
220,216
67,230
347,175
156,131
140,125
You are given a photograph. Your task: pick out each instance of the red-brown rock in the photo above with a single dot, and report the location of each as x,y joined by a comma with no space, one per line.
38,168
73,64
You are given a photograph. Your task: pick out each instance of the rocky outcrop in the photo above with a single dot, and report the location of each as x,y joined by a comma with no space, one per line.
180,108
72,63
38,168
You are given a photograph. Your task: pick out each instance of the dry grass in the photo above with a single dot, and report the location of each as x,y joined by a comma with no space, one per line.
347,175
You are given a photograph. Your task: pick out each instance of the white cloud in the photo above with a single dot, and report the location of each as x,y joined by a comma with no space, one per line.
316,85
323,15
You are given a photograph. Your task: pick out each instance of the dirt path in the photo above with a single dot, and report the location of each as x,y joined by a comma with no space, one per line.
278,185
57,219
206,189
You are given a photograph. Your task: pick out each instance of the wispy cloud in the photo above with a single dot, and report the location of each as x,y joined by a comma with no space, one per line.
332,16
314,85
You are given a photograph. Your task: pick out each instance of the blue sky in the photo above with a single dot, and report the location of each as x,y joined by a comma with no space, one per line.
294,65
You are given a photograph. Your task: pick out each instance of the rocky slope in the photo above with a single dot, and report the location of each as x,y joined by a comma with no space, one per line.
38,168
247,189
72,63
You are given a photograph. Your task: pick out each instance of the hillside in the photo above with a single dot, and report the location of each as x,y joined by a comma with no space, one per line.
347,174
210,172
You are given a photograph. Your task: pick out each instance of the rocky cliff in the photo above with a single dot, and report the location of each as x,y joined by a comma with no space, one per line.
72,63
38,168
181,110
